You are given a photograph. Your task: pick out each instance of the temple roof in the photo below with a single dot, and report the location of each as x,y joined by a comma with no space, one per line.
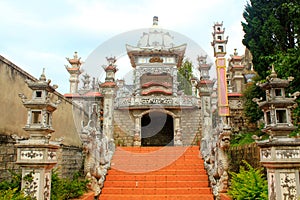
156,41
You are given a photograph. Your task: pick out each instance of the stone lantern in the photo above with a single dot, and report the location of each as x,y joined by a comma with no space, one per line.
280,154
37,155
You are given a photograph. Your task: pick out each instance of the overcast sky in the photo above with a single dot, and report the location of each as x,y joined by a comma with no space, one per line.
37,34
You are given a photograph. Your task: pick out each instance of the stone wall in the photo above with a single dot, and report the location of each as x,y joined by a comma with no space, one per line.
70,160
191,126
123,128
190,123
248,152
8,157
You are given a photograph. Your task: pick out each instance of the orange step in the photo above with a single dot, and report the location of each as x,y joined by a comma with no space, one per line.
156,173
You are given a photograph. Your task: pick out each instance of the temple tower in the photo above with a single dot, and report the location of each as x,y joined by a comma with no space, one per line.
109,93
221,135
236,69
74,71
219,45
236,85
37,155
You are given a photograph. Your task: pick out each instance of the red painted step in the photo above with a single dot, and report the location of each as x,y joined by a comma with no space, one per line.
157,173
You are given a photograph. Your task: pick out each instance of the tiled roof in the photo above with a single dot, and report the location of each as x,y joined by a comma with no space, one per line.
93,94
235,94
108,84
69,95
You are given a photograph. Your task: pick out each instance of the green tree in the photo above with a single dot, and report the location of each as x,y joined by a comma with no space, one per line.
272,31
270,27
251,109
184,76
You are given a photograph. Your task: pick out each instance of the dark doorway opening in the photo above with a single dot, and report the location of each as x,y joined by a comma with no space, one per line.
157,129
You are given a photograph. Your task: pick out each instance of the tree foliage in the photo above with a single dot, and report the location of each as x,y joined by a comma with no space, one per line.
272,33
270,27
184,76
251,110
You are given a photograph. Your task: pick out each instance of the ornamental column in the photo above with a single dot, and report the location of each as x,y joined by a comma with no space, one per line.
37,155
109,91
280,154
137,131
219,45
205,86
221,140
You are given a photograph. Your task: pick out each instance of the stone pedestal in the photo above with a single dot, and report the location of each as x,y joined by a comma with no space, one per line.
36,161
281,157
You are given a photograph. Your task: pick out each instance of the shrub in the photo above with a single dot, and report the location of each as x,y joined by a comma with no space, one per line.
14,182
63,188
249,183
12,194
11,189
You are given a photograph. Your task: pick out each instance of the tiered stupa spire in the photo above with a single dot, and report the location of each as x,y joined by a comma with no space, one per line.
74,71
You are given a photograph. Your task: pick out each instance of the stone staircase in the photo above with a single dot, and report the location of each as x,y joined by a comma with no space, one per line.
156,173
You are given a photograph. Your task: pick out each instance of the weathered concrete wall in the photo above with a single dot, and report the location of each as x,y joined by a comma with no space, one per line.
13,113
13,119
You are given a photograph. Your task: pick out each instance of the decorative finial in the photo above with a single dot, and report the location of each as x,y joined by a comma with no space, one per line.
43,77
111,60
94,83
273,73
75,55
202,59
235,52
155,21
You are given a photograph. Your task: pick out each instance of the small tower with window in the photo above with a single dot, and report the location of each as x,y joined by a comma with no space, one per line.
277,107
219,45
219,41
40,107
37,155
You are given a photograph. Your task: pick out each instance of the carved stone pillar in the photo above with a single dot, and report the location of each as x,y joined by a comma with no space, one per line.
177,132
137,132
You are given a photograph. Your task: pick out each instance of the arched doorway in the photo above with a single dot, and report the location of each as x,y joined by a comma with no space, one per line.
157,129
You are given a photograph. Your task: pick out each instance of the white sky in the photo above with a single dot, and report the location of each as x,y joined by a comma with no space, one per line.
37,34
